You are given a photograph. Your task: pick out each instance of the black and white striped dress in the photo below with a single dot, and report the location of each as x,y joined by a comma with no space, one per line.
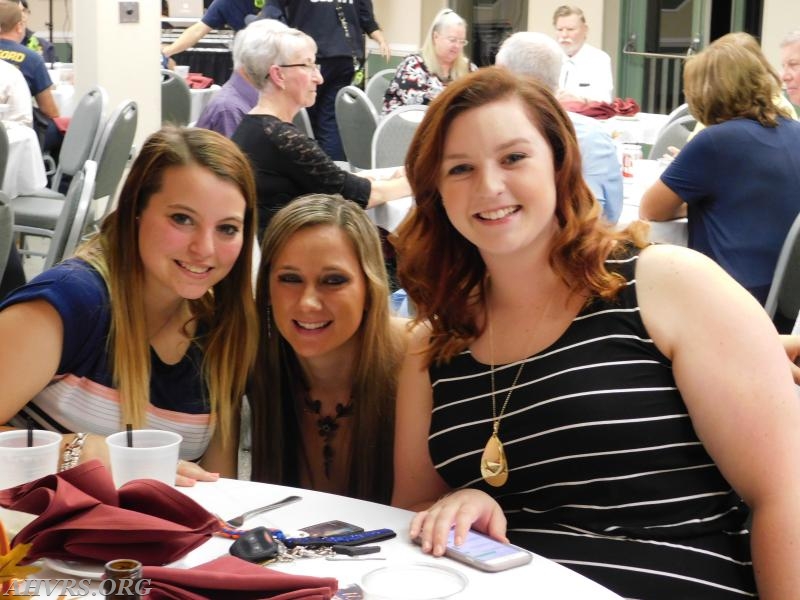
607,475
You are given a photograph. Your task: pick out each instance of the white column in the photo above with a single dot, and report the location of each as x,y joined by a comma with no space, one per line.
121,57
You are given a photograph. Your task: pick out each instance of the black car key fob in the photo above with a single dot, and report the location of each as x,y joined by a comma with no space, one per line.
255,545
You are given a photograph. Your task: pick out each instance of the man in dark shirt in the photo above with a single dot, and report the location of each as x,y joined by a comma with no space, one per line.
38,44
219,14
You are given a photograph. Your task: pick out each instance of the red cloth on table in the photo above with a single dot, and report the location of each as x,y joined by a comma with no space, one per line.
198,81
62,123
82,515
603,110
234,579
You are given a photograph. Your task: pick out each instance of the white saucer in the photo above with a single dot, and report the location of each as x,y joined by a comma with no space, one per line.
77,568
413,581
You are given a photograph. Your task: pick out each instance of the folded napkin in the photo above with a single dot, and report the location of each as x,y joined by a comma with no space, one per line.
603,110
82,515
198,81
234,579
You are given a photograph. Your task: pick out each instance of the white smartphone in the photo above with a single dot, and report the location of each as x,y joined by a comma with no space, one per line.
485,553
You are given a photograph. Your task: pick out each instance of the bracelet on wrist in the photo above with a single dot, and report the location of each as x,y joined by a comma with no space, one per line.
72,452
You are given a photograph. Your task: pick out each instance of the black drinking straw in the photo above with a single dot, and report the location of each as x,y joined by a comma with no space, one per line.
30,432
129,429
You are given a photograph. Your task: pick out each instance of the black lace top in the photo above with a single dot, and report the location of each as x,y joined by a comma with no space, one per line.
287,164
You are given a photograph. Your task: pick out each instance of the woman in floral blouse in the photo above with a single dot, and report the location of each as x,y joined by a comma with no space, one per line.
420,77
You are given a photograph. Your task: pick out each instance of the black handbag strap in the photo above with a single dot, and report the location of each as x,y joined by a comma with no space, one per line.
346,29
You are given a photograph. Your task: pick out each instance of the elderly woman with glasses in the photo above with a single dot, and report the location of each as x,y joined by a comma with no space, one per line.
287,163
421,77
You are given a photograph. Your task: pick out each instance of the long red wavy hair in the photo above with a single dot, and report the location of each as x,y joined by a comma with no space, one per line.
442,272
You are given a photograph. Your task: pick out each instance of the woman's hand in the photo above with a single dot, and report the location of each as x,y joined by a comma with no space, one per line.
190,473
187,475
791,343
462,509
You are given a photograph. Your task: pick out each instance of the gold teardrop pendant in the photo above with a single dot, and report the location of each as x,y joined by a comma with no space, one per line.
494,467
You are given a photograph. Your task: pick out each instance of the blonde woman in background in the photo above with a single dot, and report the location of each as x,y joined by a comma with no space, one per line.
421,77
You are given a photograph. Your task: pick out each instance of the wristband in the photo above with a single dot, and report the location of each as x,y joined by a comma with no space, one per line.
72,452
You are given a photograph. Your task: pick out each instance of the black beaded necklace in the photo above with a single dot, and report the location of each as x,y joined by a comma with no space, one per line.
327,426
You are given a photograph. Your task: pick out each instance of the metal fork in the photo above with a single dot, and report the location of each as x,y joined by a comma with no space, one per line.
239,521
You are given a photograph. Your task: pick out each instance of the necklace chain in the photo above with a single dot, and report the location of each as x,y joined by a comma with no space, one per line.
495,417
494,465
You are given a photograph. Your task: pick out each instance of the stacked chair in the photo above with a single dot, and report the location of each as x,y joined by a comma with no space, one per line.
107,147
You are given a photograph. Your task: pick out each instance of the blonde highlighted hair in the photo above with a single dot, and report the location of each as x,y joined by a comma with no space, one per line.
226,313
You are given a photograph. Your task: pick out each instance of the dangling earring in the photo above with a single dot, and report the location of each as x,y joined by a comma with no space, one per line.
269,321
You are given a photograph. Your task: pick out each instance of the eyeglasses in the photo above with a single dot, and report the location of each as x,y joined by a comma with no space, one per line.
309,67
457,41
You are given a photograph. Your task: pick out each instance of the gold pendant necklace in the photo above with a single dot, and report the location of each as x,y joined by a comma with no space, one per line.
494,465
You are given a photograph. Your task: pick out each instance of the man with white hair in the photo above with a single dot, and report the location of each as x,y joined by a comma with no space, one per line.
237,96
586,74
790,66
538,55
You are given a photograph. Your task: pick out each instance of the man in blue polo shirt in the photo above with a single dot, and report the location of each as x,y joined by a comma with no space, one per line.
221,13
32,66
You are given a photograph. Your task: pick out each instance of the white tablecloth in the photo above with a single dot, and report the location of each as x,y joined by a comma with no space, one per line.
642,128
25,171
391,214
64,96
200,98
539,579
645,172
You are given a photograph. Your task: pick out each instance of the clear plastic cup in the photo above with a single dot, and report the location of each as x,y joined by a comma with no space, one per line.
22,463
154,455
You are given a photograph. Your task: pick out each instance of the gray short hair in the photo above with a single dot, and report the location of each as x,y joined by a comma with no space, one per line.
273,47
247,37
791,38
532,54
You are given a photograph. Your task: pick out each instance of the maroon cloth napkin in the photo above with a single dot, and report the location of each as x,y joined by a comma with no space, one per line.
82,515
234,579
603,110
198,81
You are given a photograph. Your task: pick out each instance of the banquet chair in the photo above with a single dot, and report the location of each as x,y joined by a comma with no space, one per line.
114,150
783,300
176,99
377,86
677,112
6,227
5,146
393,135
72,218
303,123
675,134
356,119
79,142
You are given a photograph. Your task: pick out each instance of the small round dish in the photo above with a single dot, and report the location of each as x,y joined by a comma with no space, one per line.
413,581
77,568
